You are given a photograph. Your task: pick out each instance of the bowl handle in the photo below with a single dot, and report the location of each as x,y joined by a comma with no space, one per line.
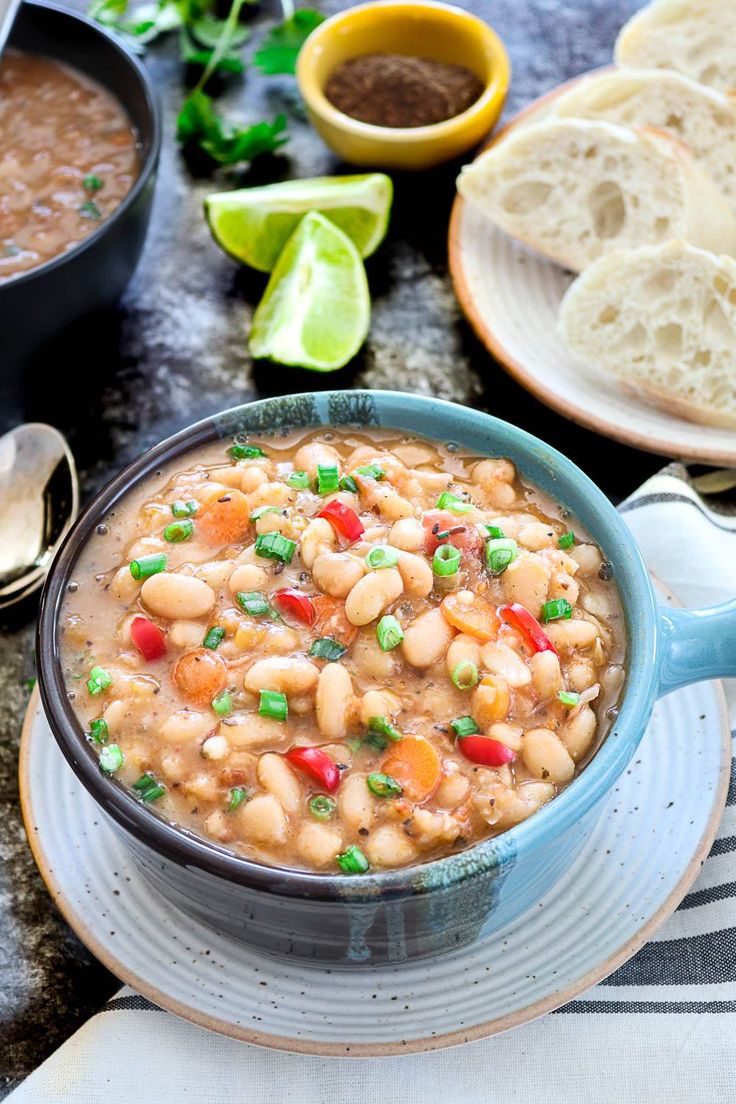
698,644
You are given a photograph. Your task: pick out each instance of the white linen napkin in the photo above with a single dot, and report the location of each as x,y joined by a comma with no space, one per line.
662,1028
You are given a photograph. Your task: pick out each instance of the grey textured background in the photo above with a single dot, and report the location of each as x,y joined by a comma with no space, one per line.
175,351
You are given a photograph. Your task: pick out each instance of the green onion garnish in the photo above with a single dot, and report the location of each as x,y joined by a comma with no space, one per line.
464,726
274,705
236,796
321,806
383,555
146,566
371,471
90,210
355,743
383,727
245,452
252,603
181,509
178,531
450,501
328,479
148,787
347,483
272,546
568,697
223,703
446,560
99,733
352,861
500,552
465,675
261,510
214,637
383,785
389,633
299,480
111,758
99,680
556,610
494,532
327,648
91,183
567,539
375,740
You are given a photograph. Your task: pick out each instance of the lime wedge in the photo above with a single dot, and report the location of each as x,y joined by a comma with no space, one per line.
254,224
316,308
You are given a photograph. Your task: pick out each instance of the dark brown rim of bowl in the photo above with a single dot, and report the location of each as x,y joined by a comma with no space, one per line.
149,159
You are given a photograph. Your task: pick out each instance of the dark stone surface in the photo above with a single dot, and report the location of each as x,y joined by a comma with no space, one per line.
175,351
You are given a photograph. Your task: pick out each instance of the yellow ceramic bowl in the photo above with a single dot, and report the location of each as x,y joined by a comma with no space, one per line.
417,28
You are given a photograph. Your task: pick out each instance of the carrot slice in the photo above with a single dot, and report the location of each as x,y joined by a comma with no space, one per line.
199,676
471,614
330,620
225,520
415,765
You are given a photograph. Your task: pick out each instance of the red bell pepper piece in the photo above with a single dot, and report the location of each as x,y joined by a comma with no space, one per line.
148,638
484,750
317,764
294,603
343,520
519,618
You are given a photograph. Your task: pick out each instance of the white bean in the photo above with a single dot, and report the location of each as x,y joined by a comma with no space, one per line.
372,661
416,573
427,639
262,820
463,649
536,535
525,580
354,803
186,634
378,703
123,586
246,578
333,702
577,733
216,573
336,573
276,776
501,660
575,633
175,596
250,730
407,534
186,726
546,674
546,756
372,594
286,674
215,747
318,844
309,457
508,734
318,538
389,846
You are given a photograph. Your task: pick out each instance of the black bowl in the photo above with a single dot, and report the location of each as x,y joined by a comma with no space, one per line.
36,305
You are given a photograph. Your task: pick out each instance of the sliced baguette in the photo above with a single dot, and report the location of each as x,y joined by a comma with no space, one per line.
575,189
697,37
663,320
700,117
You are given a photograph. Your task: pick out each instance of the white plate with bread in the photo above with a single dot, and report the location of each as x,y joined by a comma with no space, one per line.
593,243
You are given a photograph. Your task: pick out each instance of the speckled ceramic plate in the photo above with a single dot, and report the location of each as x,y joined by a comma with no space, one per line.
641,859
511,297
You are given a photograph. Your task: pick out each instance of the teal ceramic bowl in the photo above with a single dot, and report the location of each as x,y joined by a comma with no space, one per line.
438,906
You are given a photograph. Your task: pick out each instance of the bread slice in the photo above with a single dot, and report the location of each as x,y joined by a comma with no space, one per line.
662,319
700,117
575,189
697,37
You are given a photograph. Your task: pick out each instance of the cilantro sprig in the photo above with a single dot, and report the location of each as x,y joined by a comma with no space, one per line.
280,48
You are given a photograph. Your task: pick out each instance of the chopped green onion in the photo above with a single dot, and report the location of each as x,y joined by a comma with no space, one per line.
567,539
99,733
321,806
355,744
383,785
299,480
465,675
178,531
389,633
261,510
328,479
223,703
446,560
91,183
181,509
568,697
252,603
111,758
245,452
327,648
352,861
90,210
371,471
99,680
145,566
383,727
274,705
376,740
272,546
148,787
214,637
556,610
494,532
347,483
383,555
236,796
464,726
500,552
450,501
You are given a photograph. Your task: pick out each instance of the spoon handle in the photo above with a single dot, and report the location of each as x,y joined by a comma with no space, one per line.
8,12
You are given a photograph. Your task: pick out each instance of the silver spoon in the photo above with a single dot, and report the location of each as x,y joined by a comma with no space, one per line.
39,501
8,12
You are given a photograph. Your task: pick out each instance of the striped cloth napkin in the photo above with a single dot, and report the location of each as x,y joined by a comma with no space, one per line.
662,1028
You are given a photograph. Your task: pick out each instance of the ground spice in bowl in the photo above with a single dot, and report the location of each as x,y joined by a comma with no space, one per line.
394,90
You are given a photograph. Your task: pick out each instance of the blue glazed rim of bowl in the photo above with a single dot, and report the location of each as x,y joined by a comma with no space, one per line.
149,157
446,422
